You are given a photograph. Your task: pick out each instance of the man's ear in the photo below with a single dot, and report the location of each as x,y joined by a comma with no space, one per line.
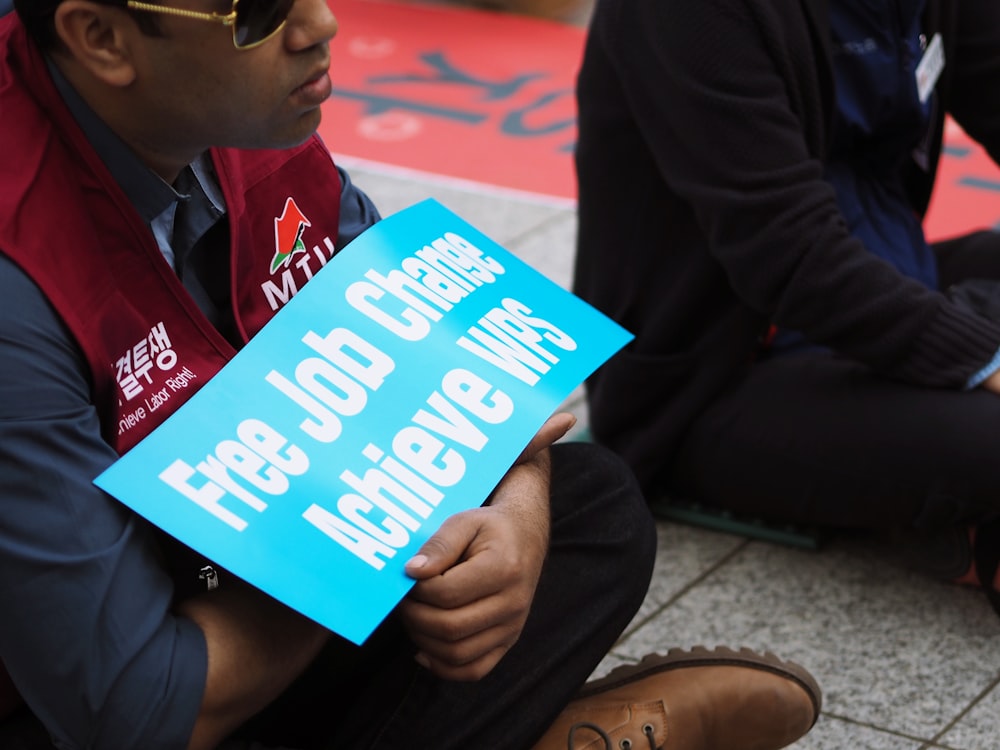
97,37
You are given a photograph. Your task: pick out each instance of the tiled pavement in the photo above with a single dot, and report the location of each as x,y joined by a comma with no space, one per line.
906,663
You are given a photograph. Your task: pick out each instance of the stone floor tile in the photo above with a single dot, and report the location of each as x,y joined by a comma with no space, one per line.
499,216
891,649
980,727
549,249
684,555
836,734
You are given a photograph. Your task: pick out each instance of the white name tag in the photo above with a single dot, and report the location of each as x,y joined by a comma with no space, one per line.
930,67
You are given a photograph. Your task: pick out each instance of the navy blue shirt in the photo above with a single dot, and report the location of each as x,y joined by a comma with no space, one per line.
87,631
879,124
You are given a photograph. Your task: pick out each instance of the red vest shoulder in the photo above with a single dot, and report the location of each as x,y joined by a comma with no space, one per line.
66,222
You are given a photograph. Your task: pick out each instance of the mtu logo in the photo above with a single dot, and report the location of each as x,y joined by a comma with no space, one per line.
288,229
292,257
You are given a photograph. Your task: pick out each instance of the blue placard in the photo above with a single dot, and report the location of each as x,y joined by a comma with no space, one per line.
393,391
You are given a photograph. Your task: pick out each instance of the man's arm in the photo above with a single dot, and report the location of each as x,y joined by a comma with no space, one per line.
256,648
357,212
477,575
89,632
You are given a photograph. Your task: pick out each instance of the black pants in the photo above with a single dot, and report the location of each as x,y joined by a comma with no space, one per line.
814,438
594,579
376,697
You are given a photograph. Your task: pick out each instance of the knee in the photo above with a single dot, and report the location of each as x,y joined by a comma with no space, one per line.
593,485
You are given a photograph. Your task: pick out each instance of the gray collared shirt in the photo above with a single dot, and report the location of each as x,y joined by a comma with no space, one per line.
153,198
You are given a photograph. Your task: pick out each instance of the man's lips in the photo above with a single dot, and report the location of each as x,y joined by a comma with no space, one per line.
316,89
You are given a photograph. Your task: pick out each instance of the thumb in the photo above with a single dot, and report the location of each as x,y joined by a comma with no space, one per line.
554,428
444,549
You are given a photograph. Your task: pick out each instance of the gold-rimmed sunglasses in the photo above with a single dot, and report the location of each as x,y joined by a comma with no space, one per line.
253,21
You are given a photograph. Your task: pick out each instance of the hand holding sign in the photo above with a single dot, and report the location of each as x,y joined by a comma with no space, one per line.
466,621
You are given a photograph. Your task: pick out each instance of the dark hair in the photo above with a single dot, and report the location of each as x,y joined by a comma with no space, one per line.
37,17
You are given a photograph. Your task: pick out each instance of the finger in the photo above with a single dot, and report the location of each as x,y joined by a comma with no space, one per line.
554,428
469,660
452,625
445,547
470,672
460,587
487,572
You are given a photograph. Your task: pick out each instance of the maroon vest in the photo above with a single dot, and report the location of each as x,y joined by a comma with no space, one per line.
67,223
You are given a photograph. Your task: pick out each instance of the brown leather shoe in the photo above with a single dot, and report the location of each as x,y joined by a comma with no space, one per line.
700,699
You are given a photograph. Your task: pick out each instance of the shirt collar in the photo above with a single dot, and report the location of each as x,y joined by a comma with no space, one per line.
149,193
152,197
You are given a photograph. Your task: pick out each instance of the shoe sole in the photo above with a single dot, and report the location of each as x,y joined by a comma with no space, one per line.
699,656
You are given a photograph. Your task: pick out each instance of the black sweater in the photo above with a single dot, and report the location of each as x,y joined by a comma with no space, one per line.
704,216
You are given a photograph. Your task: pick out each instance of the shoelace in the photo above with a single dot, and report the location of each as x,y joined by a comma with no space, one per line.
625,744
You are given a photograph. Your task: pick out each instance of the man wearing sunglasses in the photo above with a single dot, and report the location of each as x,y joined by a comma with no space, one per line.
149,153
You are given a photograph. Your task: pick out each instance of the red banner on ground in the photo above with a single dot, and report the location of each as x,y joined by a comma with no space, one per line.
488,98
468,94
967,194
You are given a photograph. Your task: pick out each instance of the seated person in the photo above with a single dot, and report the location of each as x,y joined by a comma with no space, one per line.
752,177
148,151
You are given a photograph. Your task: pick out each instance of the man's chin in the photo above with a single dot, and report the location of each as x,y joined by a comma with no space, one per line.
304,129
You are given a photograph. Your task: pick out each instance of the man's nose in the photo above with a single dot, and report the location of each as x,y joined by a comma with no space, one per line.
310,22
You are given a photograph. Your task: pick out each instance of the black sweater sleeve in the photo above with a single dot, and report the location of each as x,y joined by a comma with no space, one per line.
975,72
